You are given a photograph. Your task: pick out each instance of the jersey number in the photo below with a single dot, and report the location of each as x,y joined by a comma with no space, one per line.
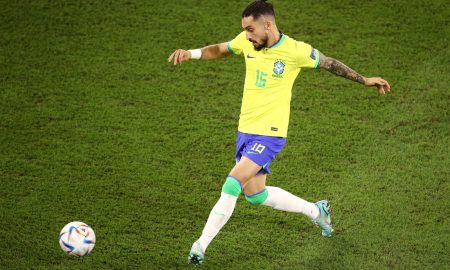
258,147
260,79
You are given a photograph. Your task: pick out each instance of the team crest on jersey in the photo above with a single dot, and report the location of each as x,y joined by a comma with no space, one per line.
278,68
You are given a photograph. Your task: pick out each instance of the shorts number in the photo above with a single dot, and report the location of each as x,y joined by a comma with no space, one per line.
258,148
260,79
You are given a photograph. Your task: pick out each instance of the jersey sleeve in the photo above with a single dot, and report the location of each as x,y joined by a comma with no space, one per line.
236,45
307,56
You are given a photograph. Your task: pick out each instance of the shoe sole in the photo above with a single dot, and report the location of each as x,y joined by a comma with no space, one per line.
194,259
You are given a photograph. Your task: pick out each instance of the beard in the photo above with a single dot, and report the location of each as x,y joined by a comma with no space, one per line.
260,46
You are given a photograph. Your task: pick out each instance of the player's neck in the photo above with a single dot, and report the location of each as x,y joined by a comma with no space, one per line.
274,37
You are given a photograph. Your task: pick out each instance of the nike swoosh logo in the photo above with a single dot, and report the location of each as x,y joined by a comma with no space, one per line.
248,56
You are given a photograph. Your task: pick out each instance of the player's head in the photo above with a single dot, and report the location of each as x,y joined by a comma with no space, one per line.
258,19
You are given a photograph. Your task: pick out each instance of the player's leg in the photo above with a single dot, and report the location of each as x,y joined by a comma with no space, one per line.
255,190
283,200
256,184
318,212
257,193
223,209
231,189
277,198
245,170
263,150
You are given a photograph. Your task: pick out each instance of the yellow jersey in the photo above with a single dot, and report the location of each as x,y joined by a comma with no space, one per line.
270,75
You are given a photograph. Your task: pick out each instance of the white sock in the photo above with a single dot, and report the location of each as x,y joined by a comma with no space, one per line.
282,200
219,215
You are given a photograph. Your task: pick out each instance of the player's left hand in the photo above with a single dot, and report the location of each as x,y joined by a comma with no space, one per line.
382,85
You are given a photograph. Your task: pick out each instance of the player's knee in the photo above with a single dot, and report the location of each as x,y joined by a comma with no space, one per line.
232,186
257,198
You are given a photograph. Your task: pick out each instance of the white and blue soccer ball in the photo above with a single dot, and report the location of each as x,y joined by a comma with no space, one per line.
77,239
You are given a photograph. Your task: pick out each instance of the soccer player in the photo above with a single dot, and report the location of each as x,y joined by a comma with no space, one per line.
273,61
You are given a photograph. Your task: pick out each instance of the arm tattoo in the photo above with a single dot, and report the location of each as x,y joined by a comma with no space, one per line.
336,67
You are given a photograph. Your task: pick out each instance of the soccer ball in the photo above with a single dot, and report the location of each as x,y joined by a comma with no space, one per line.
77,239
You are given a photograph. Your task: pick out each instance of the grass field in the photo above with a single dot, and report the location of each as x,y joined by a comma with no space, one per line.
96,126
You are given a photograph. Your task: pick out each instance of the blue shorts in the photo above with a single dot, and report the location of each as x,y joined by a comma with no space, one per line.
259,148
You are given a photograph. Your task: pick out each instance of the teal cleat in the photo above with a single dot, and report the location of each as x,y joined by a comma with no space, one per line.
196,255
324,218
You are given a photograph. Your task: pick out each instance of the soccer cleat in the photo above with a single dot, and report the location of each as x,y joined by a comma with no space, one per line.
196,255
324,218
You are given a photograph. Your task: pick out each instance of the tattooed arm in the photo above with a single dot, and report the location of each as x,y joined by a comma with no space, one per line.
336,67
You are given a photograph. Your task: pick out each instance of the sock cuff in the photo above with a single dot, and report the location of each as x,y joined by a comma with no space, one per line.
232,186
258,198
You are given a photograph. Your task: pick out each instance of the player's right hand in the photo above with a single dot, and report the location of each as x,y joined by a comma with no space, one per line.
179,56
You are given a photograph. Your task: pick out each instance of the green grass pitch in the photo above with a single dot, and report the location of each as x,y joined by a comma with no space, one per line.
97,126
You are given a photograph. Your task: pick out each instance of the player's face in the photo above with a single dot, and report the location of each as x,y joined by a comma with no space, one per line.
256,31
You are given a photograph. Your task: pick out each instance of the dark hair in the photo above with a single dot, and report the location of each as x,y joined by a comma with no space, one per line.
258,8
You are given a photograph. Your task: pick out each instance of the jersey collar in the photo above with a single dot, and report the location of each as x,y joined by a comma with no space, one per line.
278,43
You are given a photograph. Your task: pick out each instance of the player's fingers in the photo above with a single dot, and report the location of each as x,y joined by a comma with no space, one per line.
180,57
184,56
175,57
387,85
384,84
380,81
170,57
381,90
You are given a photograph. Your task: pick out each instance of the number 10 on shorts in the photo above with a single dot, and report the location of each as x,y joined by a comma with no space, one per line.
258,147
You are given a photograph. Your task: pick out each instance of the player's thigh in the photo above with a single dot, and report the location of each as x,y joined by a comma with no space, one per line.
256,184
244,170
